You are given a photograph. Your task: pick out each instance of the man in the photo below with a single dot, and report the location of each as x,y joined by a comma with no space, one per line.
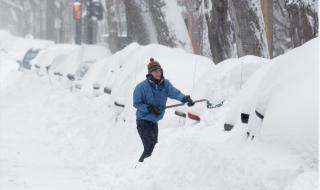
149,98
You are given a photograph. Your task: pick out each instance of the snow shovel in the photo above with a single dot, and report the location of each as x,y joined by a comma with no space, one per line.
209,104
181,114
193,116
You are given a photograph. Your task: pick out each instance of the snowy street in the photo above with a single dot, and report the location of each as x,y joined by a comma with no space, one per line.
159,95
52,138
30,154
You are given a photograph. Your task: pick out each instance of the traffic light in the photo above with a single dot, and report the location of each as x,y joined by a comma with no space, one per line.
77,10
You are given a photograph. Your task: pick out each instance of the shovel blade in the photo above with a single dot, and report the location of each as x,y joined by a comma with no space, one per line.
193,116
181,114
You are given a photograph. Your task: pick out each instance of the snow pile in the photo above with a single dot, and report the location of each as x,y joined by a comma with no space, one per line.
125,69
8,66
105,72
285,92
284,156
289,96
19,46
5,39
53,139
13,48
223,81
46,57
82,58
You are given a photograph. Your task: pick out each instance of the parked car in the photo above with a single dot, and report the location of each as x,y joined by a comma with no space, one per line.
76,65
30,55
45,59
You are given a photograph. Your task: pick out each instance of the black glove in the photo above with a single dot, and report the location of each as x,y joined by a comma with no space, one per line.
153,109
188,100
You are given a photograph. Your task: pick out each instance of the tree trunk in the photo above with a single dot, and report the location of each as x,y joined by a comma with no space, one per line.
267,9
281,36
136,27
249,28
303,21
159,21
220,31
50,17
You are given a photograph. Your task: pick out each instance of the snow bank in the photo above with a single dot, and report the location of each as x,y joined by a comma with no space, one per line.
224,81
129,67
53,139
8,70
105,72
83,56
46,56
13,48
16,47
290,101
5,38
125,69
286,93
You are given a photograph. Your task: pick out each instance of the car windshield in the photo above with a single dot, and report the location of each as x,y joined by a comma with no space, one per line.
31,54
82,71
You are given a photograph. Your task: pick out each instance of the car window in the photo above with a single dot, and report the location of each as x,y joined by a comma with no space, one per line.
31,54
82,70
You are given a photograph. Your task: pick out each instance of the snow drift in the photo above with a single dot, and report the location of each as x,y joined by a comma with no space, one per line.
53,139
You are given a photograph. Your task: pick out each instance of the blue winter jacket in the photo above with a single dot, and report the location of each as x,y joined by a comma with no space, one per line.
150,93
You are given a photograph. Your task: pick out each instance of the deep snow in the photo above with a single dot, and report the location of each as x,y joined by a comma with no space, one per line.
51,138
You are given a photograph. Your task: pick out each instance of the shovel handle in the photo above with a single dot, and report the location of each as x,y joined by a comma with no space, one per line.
181,104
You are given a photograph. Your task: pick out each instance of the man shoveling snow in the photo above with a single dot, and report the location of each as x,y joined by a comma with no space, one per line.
149,98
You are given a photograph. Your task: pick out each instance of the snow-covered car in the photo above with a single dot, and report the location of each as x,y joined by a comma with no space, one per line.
18,47
25,63
272,92
223,81
46,57
130,68
101,77
22,49
78,62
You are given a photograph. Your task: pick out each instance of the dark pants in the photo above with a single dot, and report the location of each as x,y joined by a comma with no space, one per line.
148,132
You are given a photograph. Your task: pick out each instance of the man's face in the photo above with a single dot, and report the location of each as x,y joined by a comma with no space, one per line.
156,74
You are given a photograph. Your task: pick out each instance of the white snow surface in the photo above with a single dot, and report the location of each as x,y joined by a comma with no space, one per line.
80,56
17,46
51,138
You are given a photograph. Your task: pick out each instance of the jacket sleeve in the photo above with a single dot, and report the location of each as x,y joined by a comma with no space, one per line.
174,93
137,100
